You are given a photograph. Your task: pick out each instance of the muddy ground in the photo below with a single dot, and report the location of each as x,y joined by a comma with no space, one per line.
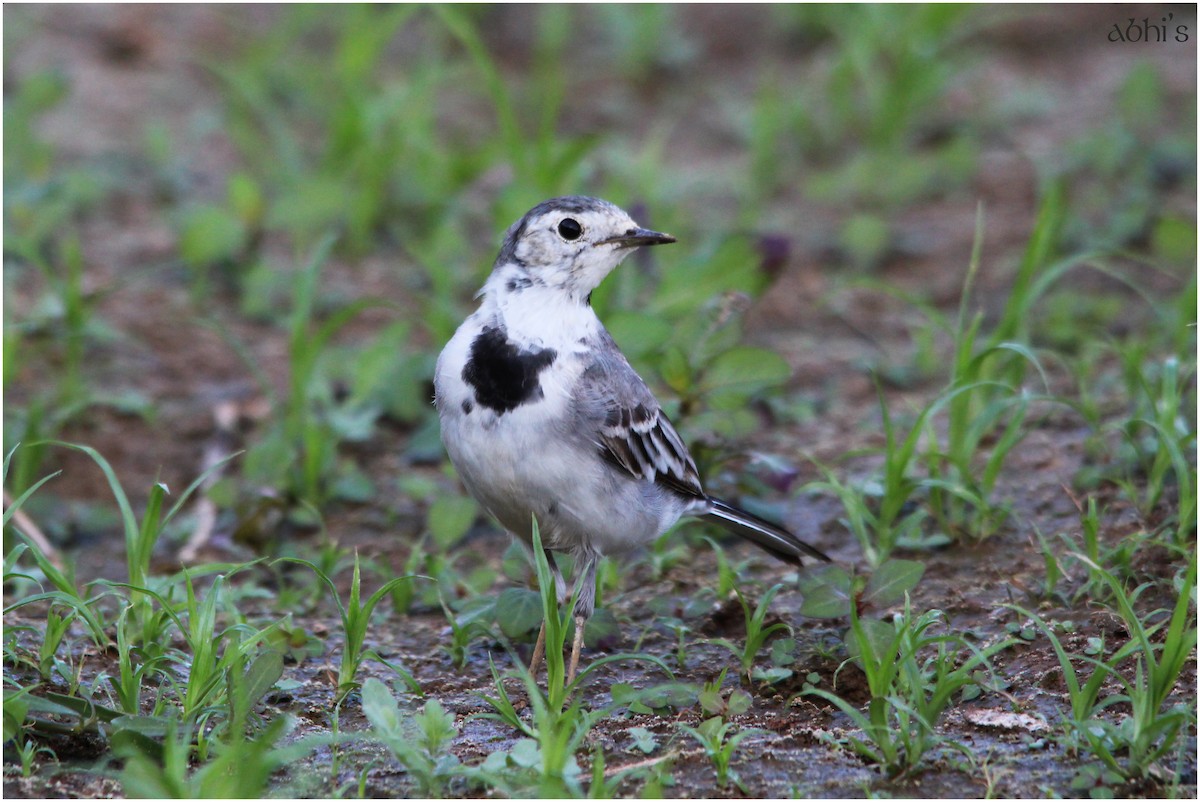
128,66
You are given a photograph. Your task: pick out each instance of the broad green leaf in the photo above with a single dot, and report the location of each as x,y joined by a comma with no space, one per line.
126,742
210,234
518,611
675,370
449,519
770,676
729,265
711,701
746,368
311,204
638,333
739,702
380,708
643,740
1174,239
783,652
437,726
891,581
601,626
526,754
353,484
826,593
246,198
262,675
145,726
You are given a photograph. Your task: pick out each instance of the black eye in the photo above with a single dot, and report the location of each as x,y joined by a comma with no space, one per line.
569,228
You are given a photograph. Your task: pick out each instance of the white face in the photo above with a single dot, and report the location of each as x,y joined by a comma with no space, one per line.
574,245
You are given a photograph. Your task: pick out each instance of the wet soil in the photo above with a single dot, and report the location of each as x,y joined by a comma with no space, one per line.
128,66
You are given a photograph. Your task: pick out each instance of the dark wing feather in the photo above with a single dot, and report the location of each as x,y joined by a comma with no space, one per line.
633,433
649,449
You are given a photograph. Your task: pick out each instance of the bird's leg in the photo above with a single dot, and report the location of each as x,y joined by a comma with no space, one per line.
585,585
539,649
576,645
560,584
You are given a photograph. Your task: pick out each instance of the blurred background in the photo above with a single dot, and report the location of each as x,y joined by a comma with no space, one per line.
932,306
252,227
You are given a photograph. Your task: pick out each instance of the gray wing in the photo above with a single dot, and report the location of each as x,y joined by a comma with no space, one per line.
630,428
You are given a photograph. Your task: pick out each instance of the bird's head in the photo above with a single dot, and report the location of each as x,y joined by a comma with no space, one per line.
572,243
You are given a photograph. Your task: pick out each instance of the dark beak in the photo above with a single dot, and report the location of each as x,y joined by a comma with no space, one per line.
636,237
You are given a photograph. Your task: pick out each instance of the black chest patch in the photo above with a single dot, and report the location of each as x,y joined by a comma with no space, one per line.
503,376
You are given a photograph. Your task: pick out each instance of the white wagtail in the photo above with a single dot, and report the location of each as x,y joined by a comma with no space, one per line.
544,418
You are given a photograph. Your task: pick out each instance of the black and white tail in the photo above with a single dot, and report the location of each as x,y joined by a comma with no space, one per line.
764,534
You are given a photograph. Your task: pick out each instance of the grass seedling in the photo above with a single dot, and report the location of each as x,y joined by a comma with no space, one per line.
1035,274
239,769
719,745
1084,694
16,707
66,593
1089,521
26,492
1149,732
890,70
667,552
211,652
131,677
505,711
27,753
140,538
542,159
984,403
876,541
464,628
912,675
56,627
356,617
1094,551
738,701
959,492
883,524
204,677
366,129
557,622
1166,449
310,440
680,630
557,727
76,328
29,428
558,733
727,575
211,656
1116,558
757,632
1055,572
298,453
557,625
418,740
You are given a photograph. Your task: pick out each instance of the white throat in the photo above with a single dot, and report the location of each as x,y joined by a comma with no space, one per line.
538,315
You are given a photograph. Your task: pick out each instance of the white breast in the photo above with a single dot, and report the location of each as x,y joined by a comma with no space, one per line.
532,460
